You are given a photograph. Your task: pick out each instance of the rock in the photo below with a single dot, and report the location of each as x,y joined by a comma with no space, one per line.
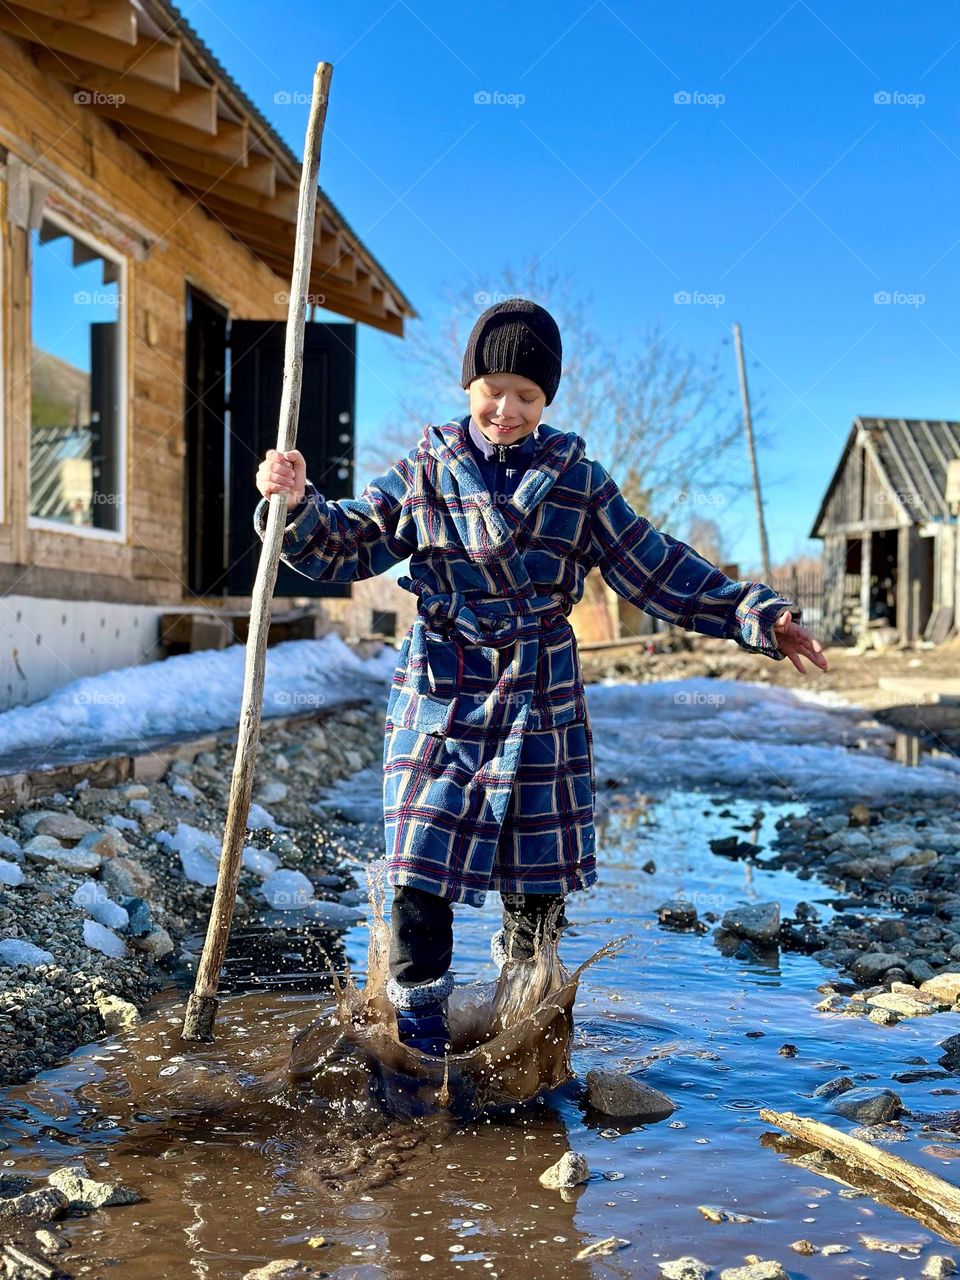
272,792
139,920
919,972
49,1243
126,879
117,1014
48,851
65,826
939,1265
617,1094
757,922
872,965
713,1213
92,897
108,844
904,1006
42,1205
274,1270
884,1017
868,1106
859,815
287,890
806,1247
99,938
944,986
14,951
677,913
11,874
755,1271
831,1250
82,1192
684,1269
135,791
29,821
601,1248
569,1171
830,1088
156,944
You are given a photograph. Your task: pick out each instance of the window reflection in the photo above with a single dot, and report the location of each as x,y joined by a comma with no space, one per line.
76,381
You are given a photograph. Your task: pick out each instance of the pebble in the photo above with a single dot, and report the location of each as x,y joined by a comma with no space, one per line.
82,1192
117,1014
275,1270
758,922
65,826
601,1248
11,874
939,1265
616,1094
687,1268
569,1171
47,851
755,1271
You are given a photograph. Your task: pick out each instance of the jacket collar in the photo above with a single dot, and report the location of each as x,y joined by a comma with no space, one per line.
527,445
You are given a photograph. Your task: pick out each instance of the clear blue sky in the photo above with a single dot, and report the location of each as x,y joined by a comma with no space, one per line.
798,197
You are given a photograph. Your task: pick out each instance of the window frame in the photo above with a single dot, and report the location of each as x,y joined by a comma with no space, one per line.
41,524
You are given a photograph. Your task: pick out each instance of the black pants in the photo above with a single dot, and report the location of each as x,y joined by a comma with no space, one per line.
421,930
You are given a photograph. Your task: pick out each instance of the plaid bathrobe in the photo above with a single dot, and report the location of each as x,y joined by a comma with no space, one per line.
488,752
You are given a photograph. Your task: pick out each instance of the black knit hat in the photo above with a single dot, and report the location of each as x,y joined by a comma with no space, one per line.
515,336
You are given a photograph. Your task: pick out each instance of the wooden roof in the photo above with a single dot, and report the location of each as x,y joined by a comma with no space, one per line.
179,107
911,455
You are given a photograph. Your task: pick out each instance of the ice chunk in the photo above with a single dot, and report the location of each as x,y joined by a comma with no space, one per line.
11,874
287,890
260,861
143,807
10,848
122,823
16,951
260,820
199,852
99,938
93,898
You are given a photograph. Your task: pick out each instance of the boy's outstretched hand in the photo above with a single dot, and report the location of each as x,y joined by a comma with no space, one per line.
795,642
284,473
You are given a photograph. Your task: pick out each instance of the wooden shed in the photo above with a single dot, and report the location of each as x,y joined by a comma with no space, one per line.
889,530
148,213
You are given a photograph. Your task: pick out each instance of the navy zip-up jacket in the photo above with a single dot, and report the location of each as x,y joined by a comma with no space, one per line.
502,466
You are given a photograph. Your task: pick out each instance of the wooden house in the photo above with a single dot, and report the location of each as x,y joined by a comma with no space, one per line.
148,213
888,522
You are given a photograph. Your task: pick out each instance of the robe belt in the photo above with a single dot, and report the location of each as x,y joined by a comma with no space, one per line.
489,620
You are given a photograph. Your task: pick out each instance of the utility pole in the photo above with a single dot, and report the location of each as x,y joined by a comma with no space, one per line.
751,449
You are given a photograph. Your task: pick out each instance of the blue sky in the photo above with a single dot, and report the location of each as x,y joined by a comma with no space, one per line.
784,185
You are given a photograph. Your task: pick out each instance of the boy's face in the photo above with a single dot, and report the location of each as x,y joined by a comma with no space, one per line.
505,406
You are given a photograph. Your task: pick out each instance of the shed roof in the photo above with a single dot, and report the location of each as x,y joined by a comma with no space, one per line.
912,455
151,75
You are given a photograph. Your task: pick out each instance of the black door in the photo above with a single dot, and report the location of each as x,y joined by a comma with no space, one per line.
325,434
205,419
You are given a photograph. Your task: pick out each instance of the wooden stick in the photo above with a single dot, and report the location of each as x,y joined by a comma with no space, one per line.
895,1173
202,1005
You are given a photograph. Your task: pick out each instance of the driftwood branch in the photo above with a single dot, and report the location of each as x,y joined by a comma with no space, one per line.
897,1178
202,1005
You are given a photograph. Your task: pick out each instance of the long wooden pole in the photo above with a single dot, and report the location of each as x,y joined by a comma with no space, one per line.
202,1005
751,449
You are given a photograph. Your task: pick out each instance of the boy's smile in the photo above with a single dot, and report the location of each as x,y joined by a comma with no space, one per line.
505,406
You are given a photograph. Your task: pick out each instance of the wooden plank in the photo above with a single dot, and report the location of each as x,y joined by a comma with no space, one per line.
156,61
193,104
206,174
230,141
115,19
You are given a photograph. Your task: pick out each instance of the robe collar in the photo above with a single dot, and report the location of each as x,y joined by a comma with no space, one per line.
524,448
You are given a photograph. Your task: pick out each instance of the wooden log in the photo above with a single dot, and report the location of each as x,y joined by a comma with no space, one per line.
202,1005
896,1174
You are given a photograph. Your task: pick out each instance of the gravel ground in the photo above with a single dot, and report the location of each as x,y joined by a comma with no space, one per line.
105,848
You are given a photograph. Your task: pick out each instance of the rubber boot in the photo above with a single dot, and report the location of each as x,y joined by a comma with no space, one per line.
422,1014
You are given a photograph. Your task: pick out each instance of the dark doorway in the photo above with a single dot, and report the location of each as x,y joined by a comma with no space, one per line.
883,577
205,417
234,379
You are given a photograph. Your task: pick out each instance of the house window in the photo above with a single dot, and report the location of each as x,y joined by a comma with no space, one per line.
77,382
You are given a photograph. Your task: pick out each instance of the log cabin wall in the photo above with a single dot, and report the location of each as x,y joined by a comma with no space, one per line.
167,241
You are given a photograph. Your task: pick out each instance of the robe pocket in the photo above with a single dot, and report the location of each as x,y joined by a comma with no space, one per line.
558,692
423,712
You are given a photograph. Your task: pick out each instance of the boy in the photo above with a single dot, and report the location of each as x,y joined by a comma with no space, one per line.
488,752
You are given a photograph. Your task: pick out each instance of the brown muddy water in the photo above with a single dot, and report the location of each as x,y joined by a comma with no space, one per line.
362,1178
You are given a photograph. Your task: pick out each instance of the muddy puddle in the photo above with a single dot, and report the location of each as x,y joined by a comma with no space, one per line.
239,1169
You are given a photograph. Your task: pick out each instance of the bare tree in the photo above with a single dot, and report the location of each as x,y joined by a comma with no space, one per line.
658,417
